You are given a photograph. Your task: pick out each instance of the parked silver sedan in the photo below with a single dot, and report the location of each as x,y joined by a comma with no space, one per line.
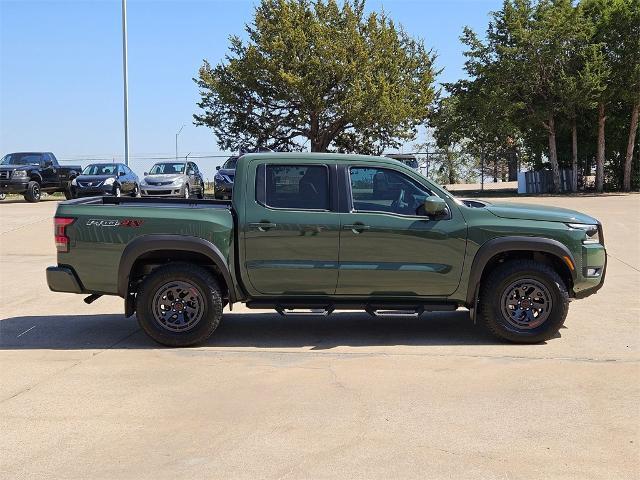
173,179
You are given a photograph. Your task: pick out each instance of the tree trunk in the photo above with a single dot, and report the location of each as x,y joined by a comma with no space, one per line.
574,155
626,183
600,154
513,166
553,155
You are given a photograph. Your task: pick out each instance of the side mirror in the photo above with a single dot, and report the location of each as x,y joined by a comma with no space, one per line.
190,172
435,206
218,167
145,174
121,174
48,163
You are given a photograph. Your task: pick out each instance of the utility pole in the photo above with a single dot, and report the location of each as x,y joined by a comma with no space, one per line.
178,133
125,72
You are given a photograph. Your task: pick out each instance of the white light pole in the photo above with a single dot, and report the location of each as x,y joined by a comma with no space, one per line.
126,88
178,133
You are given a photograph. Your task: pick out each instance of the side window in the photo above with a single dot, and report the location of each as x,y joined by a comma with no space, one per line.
385,190
293,186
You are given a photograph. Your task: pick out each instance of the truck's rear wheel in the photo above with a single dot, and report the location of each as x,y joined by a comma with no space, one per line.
33,192
523,301
179,305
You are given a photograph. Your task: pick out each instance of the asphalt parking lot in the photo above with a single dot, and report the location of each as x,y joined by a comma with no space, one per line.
85,394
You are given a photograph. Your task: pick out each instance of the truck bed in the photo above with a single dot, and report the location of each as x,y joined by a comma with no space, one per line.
103,227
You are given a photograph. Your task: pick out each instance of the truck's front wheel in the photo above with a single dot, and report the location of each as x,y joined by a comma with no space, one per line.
179,305
33,192
523,301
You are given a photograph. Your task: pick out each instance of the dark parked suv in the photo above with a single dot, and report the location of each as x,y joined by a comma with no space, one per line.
106,179
223,180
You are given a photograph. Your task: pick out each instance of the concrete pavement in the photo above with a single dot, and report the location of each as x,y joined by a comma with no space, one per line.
83,393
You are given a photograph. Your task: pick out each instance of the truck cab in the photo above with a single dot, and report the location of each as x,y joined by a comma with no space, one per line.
327,232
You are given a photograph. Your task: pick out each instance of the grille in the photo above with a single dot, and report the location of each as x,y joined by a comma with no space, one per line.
89,184
5,175
159,183
158,192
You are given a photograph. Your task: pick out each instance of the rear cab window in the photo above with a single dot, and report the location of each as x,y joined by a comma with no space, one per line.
296,187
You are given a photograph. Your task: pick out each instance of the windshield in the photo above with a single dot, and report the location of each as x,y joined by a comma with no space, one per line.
100,169
167,169
22,159
231,163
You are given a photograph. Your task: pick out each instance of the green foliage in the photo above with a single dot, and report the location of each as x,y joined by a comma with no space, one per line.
321,73
541,75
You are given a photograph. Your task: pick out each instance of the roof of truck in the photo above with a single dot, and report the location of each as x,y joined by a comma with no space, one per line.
315,156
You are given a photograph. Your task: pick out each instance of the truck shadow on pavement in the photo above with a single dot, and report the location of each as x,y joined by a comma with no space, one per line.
257,330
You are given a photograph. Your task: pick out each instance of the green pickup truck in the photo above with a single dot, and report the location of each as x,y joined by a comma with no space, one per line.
314,233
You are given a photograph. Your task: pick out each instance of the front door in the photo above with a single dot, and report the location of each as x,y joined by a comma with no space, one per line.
389,246
292,229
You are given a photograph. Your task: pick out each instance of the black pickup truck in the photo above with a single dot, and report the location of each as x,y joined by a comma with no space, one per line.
31,173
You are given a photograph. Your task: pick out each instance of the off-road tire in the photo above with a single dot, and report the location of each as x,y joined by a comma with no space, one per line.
206,287
495,287
68,194
33,193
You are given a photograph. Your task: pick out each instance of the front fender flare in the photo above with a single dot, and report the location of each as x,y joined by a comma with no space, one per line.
150,243
508,244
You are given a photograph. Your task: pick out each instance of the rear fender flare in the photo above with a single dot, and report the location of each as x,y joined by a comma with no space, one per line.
509,244
150,243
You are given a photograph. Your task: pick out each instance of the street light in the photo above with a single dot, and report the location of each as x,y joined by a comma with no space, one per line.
125,78
178,133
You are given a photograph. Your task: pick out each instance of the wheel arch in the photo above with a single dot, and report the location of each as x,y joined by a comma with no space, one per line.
35,176
496,250
149,248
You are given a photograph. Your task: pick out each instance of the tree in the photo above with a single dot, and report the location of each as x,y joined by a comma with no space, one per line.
626,70
584,79
319,73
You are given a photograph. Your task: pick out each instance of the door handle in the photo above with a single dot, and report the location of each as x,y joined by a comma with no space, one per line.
263,226
356,227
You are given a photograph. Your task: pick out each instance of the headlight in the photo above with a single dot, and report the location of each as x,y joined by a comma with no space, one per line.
222,178
73,182
109,181
178,181
592,233
19,174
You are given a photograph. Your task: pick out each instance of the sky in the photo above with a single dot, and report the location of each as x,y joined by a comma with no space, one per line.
61,69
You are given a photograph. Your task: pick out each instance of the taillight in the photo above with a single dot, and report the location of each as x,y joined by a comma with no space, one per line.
60,225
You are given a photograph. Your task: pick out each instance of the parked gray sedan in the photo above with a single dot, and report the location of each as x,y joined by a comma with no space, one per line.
173,179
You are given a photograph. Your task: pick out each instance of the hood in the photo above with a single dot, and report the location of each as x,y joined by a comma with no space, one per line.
164,177
229,172
93,178
17,167
523,211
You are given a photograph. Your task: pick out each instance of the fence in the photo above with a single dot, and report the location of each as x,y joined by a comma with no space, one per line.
541,181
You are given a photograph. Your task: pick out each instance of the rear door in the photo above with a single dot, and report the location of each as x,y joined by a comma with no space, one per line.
291,229
387,243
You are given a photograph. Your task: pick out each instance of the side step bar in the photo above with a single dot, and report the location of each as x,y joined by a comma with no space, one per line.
377,309
303,311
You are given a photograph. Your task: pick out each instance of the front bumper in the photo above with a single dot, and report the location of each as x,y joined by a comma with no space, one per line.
13,186
594,267
222,190
162,190
92,191
63,279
